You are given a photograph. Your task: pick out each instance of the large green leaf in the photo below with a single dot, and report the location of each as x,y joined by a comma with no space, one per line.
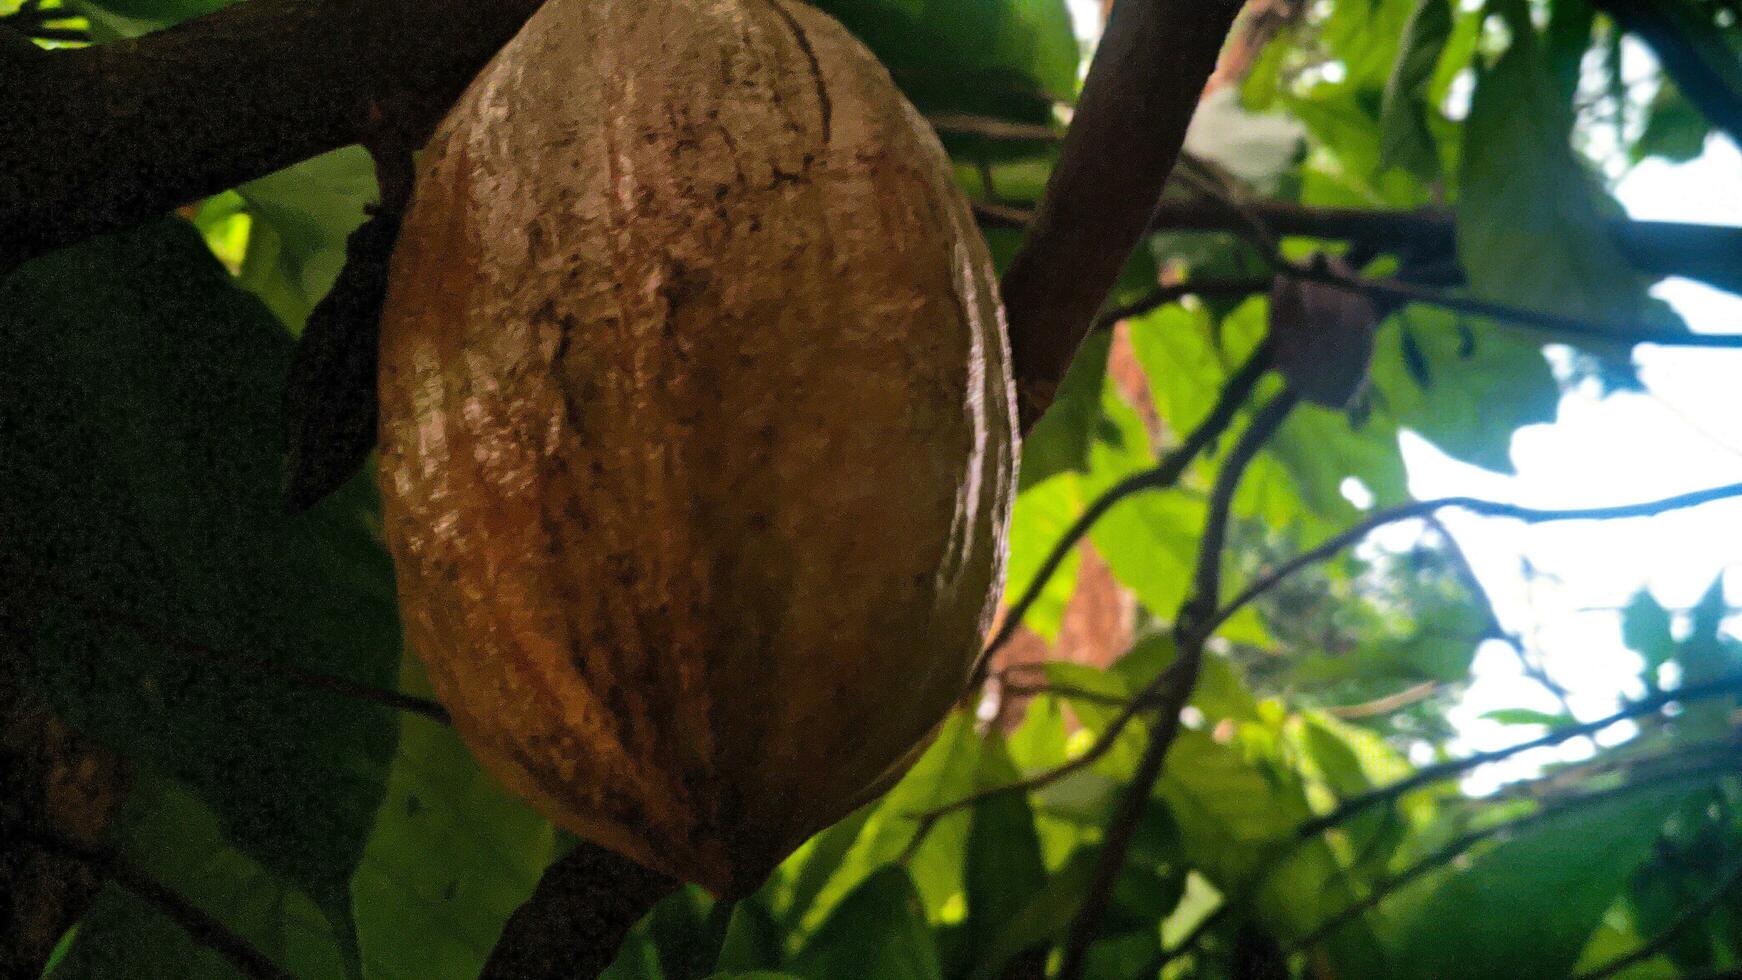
114,19
1531,220
1003,864
302,216
138,447
1464,385
947,772
1526,907
1061,439
1038,521
878,932
450,855
1404,138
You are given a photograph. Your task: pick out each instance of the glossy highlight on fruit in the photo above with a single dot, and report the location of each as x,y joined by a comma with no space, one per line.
697,440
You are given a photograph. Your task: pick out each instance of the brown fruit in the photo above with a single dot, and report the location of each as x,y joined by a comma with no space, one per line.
696,427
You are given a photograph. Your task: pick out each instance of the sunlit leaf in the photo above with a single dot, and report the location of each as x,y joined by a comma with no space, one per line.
1527,906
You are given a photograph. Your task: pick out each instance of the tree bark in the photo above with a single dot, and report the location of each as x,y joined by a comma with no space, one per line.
1710,253
1125,136
101,138
574,922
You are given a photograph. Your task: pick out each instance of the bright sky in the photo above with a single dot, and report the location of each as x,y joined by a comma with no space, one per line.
1683,433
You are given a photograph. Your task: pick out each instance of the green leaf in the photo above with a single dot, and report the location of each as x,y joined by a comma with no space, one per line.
754,939
1526,716
1530,220
302,216
1044,915
450,856
115,19
878,932
1526,907
1645,628
1364,35
138,448
1674,128
944,774
1041,516
822,860
1150,539
1404,138
1003,864
1005,58
1061,439
1484,383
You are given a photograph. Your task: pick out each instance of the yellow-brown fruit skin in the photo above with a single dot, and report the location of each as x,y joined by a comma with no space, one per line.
697,436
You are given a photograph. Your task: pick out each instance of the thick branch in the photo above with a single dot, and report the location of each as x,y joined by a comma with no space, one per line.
104,137
574,922
1142,88
1660,248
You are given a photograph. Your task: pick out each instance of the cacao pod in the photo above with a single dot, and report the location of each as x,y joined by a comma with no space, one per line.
697,435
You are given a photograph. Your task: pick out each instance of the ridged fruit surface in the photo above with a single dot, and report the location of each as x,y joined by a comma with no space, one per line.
696,427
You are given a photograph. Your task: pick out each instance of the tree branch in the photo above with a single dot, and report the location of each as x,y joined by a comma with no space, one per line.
1191,630
1143,86
1235,392
1660,248
101,138
572,926
1701,64
1489,508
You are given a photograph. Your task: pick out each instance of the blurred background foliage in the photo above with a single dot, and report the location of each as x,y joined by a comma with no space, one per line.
169,610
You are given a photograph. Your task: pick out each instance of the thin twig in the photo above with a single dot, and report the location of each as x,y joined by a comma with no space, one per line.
1191,629
1162,295
1455,767
1555,323
1473,585
1235,391
1379,707
992,128
1070,691
201,926
1488,508
296,676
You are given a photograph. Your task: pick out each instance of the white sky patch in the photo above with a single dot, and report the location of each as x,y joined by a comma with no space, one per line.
1684,433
